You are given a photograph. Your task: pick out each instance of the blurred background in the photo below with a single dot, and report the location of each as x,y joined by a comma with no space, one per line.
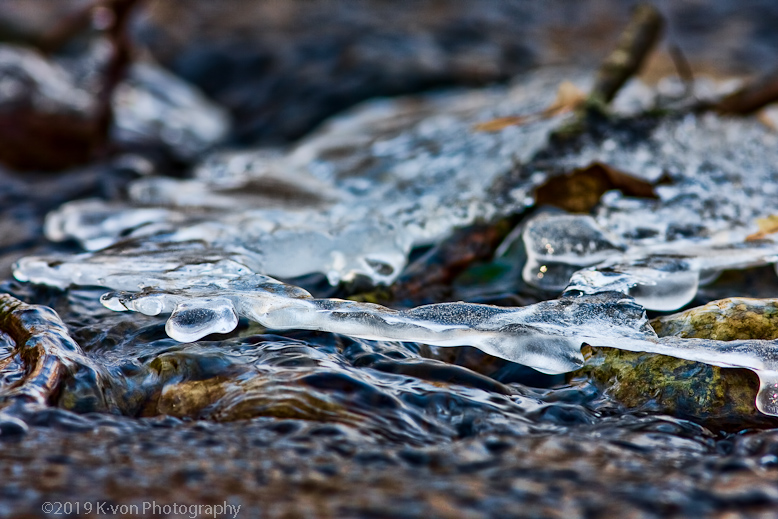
282,66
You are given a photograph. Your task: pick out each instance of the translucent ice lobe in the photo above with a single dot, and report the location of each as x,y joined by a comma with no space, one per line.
767,398
559,245
132,269
95,223
193,320
660,276
669,292
658,283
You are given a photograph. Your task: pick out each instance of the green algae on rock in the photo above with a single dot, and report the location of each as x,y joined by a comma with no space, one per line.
683,388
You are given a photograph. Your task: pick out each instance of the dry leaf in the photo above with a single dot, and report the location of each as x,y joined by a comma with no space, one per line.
568,98
769,117
766,226
580,191
495,125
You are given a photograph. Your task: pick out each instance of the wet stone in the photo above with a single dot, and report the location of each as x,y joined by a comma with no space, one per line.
724,320
718,397
11,426
713,395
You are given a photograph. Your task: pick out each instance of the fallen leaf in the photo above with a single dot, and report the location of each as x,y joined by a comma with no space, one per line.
495,125
766,226
580,190
568,98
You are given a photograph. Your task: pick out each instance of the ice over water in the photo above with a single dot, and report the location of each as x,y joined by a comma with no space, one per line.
210,296
351,200
659,275
394,174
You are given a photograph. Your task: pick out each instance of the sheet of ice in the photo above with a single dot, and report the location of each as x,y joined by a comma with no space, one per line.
659,275
205,298
351,199
546,336
392,174
718,178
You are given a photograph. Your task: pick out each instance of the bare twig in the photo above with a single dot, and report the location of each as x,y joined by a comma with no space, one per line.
751,97
121,58
682,67
635,43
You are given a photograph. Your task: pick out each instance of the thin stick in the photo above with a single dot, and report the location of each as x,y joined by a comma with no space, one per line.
751,97
682,67
625,61
117,66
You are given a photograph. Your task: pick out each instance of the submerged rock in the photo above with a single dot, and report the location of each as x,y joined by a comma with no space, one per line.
711,394
46,120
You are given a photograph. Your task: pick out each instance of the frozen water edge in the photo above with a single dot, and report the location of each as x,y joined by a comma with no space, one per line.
659,275
209,297
394,174
352,199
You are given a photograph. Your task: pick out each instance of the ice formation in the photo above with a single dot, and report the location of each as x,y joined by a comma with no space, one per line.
350,200
394,174
209,297
659,275
718,180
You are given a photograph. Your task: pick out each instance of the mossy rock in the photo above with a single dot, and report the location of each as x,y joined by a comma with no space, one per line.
718,397
724,320
190,398
681,388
